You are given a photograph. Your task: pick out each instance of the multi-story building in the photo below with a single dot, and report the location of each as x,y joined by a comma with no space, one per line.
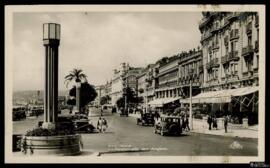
126,76
100,89
230,49
146,85
173,76
230,45
190,72
117,83
167,77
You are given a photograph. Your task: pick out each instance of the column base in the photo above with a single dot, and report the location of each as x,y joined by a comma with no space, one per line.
48,125
75,110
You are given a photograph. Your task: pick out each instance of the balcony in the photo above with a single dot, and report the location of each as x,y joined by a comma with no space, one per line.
233,56
257,21
247,51
256,48
206,36
215,46
234,34
224,59
213,63
249,28
215,29
232,16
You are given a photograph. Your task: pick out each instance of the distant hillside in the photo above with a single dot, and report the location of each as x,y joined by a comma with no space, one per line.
29,94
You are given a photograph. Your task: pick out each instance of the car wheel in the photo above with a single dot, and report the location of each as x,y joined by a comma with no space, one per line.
89,130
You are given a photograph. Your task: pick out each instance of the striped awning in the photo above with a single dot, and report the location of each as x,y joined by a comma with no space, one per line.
221,96
160,102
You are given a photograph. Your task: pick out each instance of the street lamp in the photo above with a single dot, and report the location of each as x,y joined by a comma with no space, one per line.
51,40
190,97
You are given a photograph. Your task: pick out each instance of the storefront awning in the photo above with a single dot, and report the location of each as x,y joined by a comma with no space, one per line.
160,102
221,96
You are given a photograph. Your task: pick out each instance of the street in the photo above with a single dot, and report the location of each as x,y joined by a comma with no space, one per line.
123,134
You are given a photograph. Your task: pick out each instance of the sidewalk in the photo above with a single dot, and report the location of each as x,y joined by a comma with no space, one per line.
199,126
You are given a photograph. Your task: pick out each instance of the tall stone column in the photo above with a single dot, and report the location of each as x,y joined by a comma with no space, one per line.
51,41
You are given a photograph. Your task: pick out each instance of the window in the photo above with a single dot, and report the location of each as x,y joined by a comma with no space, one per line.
233,46
249,40
227,49
235,68
257,58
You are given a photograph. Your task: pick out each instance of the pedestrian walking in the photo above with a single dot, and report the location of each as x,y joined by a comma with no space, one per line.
215,123
104,124
209,121
187,123
100,125
183,123
226,123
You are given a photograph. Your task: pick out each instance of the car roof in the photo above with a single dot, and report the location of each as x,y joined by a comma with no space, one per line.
170,116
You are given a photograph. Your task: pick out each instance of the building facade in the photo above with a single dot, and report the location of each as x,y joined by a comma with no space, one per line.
146,85
230,49
230,44
190,72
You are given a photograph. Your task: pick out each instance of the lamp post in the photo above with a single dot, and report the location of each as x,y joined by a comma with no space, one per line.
146,99
190,102
51,41
126,95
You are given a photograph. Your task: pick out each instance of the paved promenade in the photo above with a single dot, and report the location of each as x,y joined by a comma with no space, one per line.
201,126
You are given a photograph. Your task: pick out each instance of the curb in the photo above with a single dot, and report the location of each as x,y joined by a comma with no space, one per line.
227,135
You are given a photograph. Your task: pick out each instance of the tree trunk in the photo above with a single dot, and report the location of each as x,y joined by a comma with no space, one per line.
78,87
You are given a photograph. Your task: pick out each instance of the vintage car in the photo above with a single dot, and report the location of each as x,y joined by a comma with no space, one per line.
83,125
146,119
75,123
168,125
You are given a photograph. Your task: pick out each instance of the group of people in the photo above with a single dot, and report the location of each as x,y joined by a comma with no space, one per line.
212,122
102,125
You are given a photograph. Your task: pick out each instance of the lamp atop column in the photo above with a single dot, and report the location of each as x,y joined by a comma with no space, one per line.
51,33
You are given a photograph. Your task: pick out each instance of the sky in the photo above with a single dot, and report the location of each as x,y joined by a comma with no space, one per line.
97,42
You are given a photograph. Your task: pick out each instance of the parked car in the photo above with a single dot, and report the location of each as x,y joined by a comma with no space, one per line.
83,125
146,119
77,124
168,125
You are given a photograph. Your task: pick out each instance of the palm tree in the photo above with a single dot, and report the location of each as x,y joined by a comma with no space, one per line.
77,75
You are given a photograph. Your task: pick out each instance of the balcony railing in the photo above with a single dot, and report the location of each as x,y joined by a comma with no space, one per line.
257,20
213,63
215,46
233,15
224,59
247,51
206,36
215,29
233,56
234,34
256,48
249,28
